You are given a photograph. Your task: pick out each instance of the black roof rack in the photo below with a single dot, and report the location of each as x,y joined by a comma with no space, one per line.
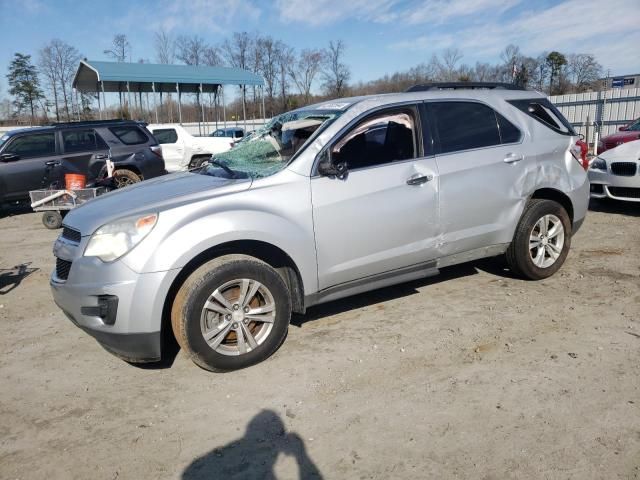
425,87
95,122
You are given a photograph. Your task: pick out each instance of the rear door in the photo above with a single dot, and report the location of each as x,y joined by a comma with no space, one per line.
34,158
173,149
383,215
482,166
84,152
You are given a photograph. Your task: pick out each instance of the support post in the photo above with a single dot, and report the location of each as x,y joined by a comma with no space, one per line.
155,100
128,99
179,103
104,98
204,121
244,106
264,111
224,110
99,105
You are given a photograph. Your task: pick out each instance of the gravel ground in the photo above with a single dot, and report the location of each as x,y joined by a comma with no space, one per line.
471,374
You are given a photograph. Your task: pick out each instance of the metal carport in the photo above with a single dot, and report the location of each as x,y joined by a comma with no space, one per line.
138,78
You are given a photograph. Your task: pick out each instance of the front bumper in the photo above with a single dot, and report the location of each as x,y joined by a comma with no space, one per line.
617,187
131,328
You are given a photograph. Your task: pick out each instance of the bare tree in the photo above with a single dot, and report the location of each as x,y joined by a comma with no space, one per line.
584,70
47,64
120,48
284,59
165,47
336,73
211,56
304,70
511,58
269,67
237,52
191,50
450,59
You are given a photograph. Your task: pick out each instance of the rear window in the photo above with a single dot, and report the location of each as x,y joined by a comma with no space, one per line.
129,135
82,141
166,135
546,113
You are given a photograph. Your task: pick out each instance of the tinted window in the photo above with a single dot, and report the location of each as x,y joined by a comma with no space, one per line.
378,140
82,141
239,134
129,135
218,133
509,133
166,135
546,113
28,146
464,125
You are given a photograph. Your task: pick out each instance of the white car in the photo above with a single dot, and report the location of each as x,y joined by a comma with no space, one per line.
181,150
616,173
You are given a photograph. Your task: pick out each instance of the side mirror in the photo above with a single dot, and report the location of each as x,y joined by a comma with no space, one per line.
622,129
328,169
9,157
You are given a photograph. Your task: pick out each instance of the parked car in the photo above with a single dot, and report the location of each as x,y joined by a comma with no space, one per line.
324,202
234,133
616,173
628,133
181,150
35,158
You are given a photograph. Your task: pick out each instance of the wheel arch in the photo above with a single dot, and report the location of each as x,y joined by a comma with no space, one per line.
267,252
556,196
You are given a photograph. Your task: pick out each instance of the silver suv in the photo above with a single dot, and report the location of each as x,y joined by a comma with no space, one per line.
323,202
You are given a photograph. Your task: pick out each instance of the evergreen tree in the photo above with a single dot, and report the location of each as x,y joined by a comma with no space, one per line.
24,83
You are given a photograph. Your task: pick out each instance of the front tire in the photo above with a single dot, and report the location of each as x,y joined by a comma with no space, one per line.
230,313
542,240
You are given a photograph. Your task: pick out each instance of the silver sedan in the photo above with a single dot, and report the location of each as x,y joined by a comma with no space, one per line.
616,173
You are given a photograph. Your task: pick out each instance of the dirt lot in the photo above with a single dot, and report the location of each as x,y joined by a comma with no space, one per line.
472,374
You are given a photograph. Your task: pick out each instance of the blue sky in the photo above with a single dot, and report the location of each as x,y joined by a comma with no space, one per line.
382,36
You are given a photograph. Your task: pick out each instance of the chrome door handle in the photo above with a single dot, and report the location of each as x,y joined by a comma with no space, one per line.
52,163
100,156
512,158
419,179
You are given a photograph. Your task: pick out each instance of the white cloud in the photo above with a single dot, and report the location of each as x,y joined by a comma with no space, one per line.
322,12
439,11
580,26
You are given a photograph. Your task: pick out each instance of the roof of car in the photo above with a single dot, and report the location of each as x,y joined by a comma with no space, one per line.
391,98
57,126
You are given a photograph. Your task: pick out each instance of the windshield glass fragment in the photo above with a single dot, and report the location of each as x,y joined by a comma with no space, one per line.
270,148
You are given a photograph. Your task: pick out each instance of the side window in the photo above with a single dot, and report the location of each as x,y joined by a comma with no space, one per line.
82,141
218,133
239,134
383,138
464,125
509,133
546,113
166,135
129,135
29,146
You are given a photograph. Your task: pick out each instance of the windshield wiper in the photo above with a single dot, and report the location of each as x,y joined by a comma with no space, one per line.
218,163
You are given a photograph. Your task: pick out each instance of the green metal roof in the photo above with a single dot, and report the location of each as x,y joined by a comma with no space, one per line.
140,76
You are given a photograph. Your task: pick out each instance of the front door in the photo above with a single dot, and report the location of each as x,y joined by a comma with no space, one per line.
383,214
33,158
173,149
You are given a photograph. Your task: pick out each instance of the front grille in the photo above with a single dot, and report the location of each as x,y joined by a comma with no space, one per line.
624,192
626,169
71,234
62,268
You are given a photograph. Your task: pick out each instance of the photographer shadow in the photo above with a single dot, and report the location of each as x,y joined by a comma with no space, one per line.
255,454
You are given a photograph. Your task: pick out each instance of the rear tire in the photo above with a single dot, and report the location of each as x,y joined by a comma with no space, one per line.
197,162
123,178
230,313
542,240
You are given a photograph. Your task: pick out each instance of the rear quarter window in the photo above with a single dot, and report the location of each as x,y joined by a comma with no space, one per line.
166,135
543,111
129,135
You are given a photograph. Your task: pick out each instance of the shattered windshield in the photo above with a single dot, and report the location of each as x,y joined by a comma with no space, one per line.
269,149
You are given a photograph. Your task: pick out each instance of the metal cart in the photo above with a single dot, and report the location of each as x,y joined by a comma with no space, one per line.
56,203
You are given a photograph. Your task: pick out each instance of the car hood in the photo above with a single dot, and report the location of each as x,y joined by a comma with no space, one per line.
627,152
153,195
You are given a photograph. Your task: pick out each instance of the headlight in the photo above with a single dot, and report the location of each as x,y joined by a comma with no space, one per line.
598,164
113,240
